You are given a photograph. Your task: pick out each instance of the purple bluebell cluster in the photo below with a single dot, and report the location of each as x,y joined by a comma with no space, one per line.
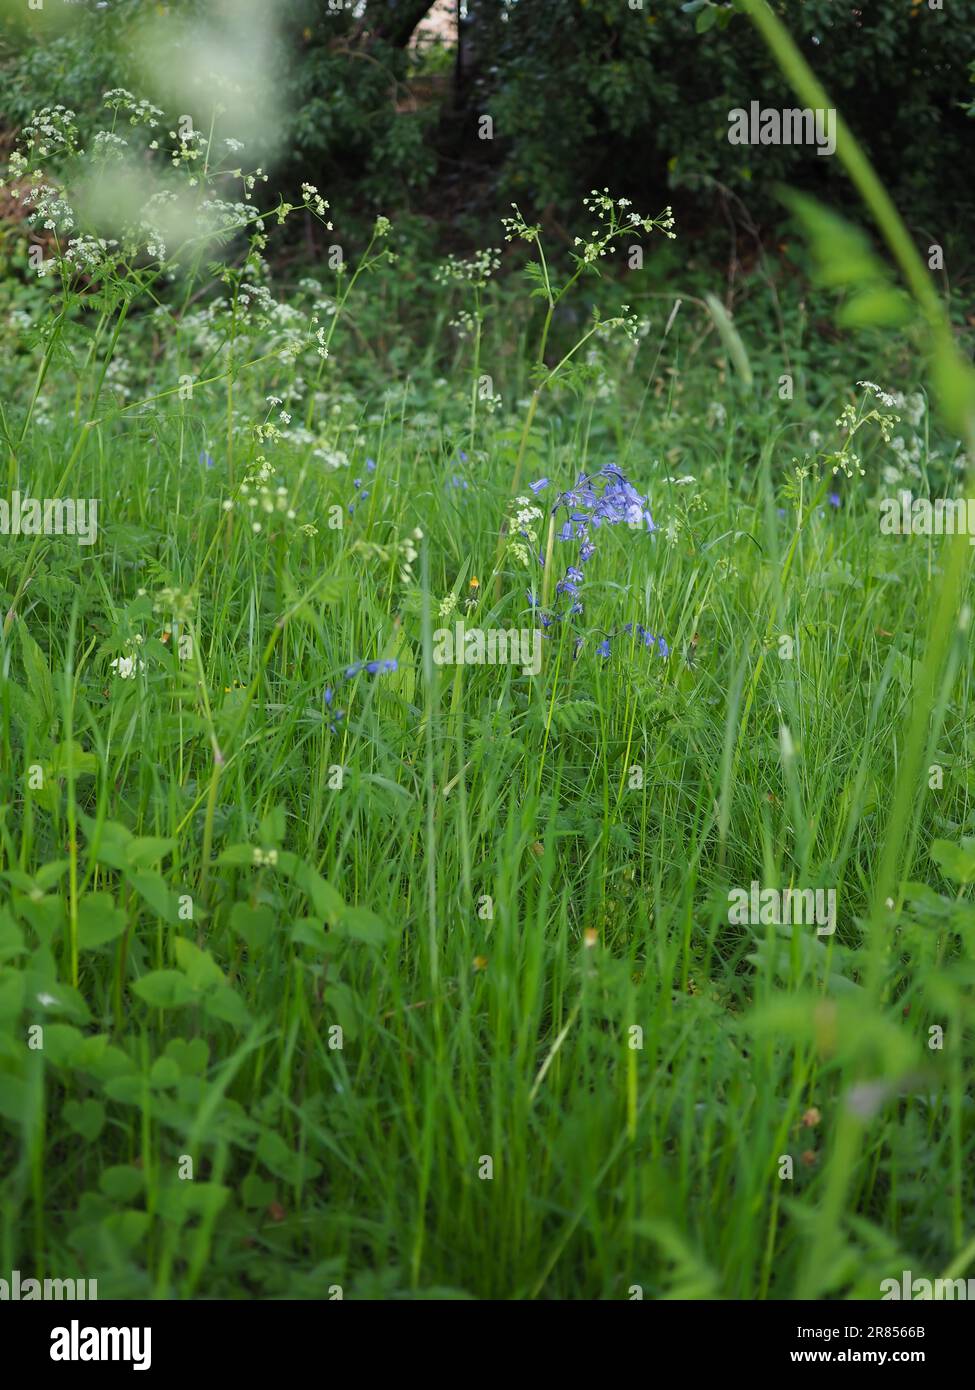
586,509
597,499
456,480
329,700
361,492
372,668
648,639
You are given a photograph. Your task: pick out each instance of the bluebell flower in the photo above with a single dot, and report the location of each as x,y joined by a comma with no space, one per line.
605,498
834,499
206,458
648,638
374,668
328,697
538,486
361,493
603,649
370,465
532,599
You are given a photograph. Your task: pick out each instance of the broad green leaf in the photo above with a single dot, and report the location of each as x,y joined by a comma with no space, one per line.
121,1182
226,1005
40,682
254,924
201,969
99,920
957,861
84,1117
165,989
148,850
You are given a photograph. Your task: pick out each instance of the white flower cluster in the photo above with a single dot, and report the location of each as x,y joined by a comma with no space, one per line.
258,495
613,220
140,112
50,208
407,551
314,201
127,667
191,144
628,321
52,129
178,602
230,217
517,227
258,297
851,419
913,407
884,397
911,451
108,145
464,324
476,270
523,530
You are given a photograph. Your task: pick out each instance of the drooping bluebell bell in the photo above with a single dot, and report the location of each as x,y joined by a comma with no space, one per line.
570,584
372,668
596,499
648,638
328,700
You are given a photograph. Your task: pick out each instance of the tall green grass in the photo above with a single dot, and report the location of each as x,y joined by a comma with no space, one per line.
429,981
